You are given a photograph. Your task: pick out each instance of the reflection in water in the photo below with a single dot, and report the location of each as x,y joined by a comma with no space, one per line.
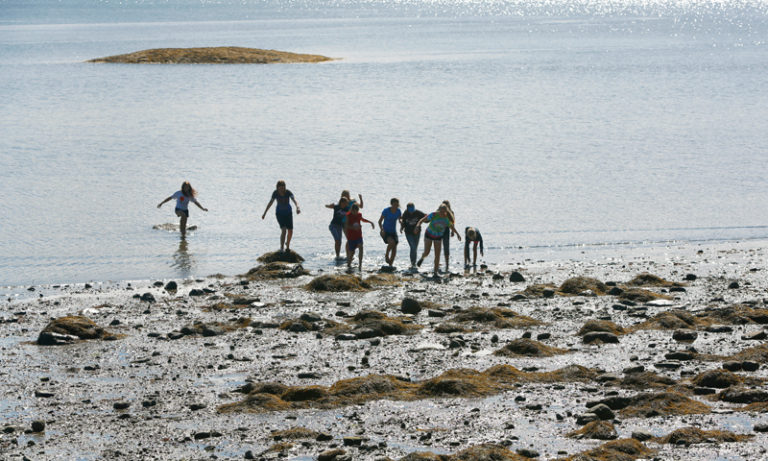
182,260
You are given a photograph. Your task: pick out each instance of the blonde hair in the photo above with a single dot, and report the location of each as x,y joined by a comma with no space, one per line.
448,209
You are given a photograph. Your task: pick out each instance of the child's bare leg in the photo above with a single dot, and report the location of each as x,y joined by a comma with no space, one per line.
474,255
288,239
393,253
282,237
427,247
349,256
360,258
182,222
438,244
337,247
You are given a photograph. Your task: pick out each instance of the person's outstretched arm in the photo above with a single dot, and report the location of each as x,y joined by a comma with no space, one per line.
166,200
267,209
360,198
369,222
455,233
194,200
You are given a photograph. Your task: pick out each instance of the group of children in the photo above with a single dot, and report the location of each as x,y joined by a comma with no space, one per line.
347,221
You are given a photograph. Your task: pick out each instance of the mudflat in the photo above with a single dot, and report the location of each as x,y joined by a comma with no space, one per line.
212,55
641,356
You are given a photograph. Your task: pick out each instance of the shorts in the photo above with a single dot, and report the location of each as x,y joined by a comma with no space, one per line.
335,231
186,212
353,244
285,220
389,235
427,235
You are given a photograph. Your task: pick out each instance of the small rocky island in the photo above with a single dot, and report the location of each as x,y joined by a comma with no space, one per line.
212,55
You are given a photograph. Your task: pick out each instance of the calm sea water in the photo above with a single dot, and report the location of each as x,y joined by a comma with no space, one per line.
549,125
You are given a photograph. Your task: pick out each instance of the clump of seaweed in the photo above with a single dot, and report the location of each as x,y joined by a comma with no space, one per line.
295,433
669,320
649,280
641,295
616,450
693,435
382,280
525,347
483,452
337,282
500,317
663,404
646,380
719,379
738,314
601,325
595,430
288,256
276,270
62,329
578,285
458,383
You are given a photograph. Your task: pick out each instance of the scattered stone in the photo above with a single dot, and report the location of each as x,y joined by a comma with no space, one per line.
516,277
148,297
196,292
527,453
750,366
733,285
758,336
719,379
331,455
171,286
685,335
410,306
690,277
732,365
718,329
642,435
38,426
64,330
602,411
528,348
601,337
693,435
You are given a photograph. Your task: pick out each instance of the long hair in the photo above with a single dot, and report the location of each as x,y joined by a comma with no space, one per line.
447,205
186,189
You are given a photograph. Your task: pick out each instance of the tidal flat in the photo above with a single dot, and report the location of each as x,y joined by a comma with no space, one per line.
647,355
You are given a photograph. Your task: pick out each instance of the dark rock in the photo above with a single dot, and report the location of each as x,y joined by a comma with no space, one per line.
685,335
642,436
197,406
211,330
148,297
602,411
677,290
121,405
619,307
528,453
615,291
543,336
704,391
54,339
44,395
38,426
740,395
149,403
547,293
410,306
196,292
690,277
310,317
630,370
733,285
680,355
516,277
351,441
323,437
519,297
760,427
719,329
749,365
331,455
435,313
601,336
732,366
668,365
498,277
346,337
586,418
171,286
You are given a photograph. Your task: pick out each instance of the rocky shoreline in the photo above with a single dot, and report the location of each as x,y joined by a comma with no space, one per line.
212,55
626,358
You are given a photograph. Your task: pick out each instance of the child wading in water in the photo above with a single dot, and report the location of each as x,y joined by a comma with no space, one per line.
284,213
472,234
354,232
388,225
439,223
183,197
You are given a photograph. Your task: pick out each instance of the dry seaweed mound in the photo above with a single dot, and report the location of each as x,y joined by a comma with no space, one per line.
70,328
539,290
382,280
448,327
459,383
600,325
484,452
616,450
641,295
757,354
719,379
595,430
578,285
646,380
456,383
649,280
276,270
289,256
738,314
337,282
295,433
693,435
500,317
300,325
525,347
372,324
669,320
663,404
211,55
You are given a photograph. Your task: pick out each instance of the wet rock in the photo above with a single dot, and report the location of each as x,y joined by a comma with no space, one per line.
331,455
528,348
693,435
196,292
733,285
337,283
38,426
352,441
718,329
602,411
600,336
732,365
760,427
685,335
680,355
121,405
148,297
528,453
586,418
615,291
516,277
547,293
595,430
668,365
690,277
410,306
55,339
750,366
171,286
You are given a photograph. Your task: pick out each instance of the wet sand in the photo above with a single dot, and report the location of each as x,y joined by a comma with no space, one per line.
219,367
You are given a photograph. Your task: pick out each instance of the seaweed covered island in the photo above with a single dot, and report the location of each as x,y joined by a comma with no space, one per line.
212,55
